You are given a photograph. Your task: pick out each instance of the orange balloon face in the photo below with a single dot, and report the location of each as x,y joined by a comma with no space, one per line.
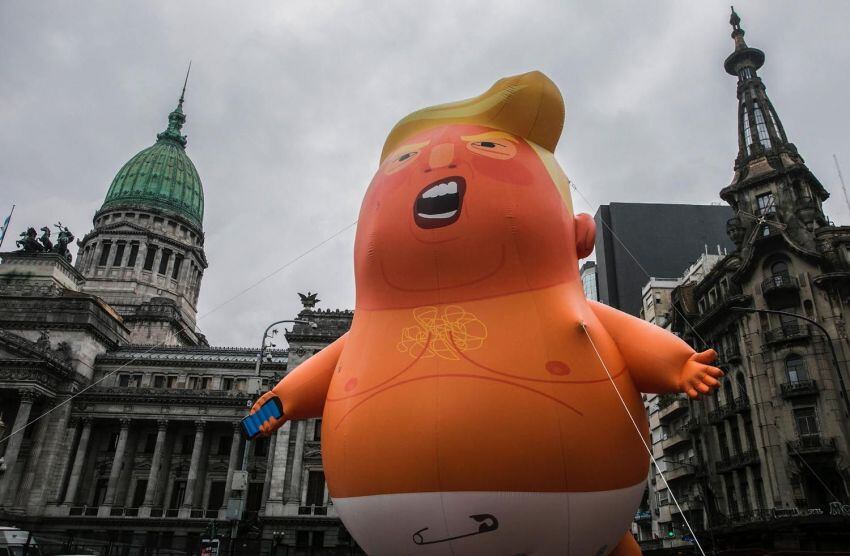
461,212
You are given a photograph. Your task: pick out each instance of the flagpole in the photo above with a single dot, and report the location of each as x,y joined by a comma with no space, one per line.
6,225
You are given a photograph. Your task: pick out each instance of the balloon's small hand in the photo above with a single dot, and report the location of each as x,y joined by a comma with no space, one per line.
698,376
270,425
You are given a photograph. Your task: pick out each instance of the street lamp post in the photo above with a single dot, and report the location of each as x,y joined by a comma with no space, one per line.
254,386
829,342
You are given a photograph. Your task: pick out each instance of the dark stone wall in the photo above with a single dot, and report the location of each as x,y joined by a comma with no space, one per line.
664,238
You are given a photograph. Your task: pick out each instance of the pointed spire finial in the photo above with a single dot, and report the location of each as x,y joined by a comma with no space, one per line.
734,20
176,119
185,81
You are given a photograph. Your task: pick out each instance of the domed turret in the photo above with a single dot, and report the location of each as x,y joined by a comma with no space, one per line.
145,255
161,177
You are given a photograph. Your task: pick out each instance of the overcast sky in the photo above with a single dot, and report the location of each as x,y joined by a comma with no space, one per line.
289,103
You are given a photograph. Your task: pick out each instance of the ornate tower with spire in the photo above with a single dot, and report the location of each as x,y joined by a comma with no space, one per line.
145,255
773,191
776,436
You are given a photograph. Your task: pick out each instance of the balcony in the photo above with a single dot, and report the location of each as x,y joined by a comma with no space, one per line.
737,461
779,282
740,404
812,444
671,409
687,504
717,308
676,437
731,354
780,290
787,333
679,471
313,510
693,424
797,388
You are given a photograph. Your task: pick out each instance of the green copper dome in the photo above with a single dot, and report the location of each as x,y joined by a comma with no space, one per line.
161,176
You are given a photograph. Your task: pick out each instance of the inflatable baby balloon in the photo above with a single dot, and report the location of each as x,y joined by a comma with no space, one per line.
474,406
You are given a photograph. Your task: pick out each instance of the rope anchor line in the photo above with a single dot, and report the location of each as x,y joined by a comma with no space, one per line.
640,436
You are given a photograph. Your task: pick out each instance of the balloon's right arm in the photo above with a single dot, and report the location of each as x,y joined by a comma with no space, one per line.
302,392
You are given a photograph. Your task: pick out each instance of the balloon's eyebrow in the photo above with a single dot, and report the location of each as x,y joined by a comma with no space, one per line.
489,136
411,147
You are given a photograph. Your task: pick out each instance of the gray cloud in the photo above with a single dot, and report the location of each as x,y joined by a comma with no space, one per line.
289,103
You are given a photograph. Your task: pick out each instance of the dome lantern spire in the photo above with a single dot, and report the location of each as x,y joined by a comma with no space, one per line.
176,119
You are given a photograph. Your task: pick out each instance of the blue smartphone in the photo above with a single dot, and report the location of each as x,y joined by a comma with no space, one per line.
251,424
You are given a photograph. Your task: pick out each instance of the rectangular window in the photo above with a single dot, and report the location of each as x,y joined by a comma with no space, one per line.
761,127
317,432
99,492
224,443
104,254
159,381
205,383
227,383
192,383
178,493
119,253
136,381
188,442
216,498
163,262
766,204
139,493
123,380
150,256
150,443
807,423
171,382
177,260
134,254
315,488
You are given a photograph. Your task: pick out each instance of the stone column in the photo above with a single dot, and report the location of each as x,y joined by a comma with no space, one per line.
156,464
192,479
267,481
140,257
79,463
232,462
34,462
275,500
293,496
13,447
117,463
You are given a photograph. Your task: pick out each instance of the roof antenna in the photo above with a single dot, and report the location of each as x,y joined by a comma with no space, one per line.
841,179
183,92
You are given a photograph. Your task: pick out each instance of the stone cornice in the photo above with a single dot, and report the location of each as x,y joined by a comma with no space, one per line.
150,235
244,358
164,396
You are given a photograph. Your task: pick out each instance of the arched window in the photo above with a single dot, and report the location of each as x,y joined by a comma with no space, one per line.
779,273
779,267
727,391
742,386
795,368
761,126
745,124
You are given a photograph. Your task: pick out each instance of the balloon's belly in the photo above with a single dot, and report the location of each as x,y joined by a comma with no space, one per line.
491,523
474,432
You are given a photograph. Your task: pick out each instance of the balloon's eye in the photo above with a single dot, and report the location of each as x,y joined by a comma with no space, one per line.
400,161
502,150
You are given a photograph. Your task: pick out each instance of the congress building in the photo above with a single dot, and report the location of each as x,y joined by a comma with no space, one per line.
133,440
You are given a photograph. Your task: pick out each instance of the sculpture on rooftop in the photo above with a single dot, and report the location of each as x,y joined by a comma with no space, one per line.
309,300
29,243
45,239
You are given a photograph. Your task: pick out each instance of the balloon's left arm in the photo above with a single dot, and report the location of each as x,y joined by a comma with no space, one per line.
658,361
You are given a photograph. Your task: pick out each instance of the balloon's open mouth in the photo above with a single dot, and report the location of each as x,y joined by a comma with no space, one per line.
439,203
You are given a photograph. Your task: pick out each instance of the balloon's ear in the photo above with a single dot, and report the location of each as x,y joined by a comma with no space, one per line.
585,235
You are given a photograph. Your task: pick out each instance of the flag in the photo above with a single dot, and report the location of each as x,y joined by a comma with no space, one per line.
6,225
